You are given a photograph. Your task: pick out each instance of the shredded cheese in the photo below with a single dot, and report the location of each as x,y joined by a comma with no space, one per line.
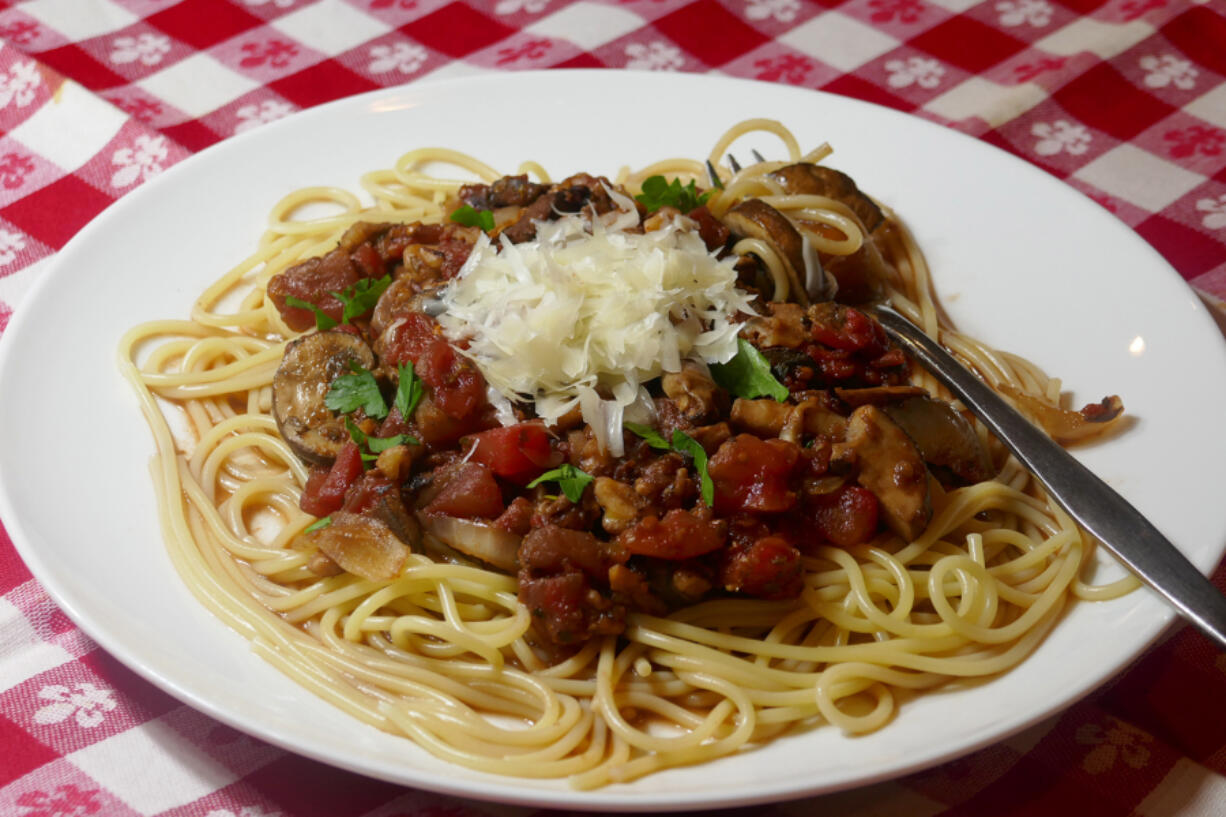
585,311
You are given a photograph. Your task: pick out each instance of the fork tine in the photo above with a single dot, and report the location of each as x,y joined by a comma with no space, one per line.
758,156
734,164
714,176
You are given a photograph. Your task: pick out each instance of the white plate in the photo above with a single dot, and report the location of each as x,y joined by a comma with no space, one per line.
1019,259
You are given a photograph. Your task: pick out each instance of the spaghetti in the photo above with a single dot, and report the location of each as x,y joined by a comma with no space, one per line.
444,653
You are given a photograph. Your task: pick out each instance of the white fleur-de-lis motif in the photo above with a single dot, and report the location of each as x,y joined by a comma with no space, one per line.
147,48
1214,219
142,161
403,57
921,71
10,244
782,10
254,115
1168,70
20,84
85,702
1111,741
513,6
1060,135
1018,12
656,56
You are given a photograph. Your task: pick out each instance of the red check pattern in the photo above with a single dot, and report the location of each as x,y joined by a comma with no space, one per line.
1123,99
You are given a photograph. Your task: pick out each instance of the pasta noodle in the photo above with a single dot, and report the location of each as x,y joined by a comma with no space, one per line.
441,654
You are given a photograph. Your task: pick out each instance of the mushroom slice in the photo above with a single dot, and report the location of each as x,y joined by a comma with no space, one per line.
361,545
695,393
768,418
301,383
891,467
878,395
753,218
944,437
804,178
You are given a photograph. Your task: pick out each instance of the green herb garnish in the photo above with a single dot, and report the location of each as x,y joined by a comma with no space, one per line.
469,217
658,192
686,444
323,322
371,447
318,524
748,374
650,435
360,298
408,391
569,478
349,392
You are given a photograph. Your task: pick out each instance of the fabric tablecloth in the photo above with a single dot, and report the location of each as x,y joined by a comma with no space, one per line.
1124,100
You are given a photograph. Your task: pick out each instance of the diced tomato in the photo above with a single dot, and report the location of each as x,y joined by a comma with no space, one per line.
438,431
367,490
470,493
844,517
368,260
752,474
458,388
456,385
519,453
769,568
517,518
325,490
842,327
405,341
313,281
679,535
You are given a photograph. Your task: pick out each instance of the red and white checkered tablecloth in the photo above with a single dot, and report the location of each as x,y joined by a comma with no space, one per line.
1125,100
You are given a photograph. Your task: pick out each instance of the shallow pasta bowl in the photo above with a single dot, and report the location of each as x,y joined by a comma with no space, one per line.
1019,260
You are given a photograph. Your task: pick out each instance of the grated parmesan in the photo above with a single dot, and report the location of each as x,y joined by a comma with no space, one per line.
584,311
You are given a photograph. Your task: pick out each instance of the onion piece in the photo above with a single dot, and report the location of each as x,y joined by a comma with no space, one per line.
492,545
1067,426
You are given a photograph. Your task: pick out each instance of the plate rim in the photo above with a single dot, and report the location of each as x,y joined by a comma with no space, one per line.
506,790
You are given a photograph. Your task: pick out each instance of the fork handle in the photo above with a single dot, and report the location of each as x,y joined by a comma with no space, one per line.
1096,506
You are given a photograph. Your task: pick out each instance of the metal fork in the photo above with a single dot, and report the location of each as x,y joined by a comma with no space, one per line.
1098,508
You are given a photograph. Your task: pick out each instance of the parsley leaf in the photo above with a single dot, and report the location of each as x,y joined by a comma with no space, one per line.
649,434
658,192
360,298
318,524
688,445
469,217
570,478
408,391
349,392
371,447
323,322
748,374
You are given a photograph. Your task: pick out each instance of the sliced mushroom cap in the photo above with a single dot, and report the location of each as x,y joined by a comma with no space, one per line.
301,383
695,393
753,218
891,467
944,437
769,418
878,395
810,179
861,276
362,545
785,326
